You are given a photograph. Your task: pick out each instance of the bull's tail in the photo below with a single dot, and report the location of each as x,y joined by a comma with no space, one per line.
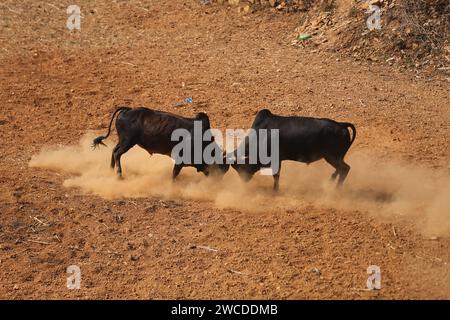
99,140
351,126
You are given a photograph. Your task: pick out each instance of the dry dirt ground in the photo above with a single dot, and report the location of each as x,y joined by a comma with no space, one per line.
60,205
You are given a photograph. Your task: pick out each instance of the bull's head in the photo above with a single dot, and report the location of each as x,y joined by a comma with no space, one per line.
216,169
245,169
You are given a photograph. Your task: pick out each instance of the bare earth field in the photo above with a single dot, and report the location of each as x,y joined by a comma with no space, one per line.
60,204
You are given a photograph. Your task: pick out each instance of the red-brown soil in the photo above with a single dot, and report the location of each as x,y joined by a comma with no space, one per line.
135,238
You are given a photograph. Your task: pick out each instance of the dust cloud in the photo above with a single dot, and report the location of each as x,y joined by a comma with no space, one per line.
383,188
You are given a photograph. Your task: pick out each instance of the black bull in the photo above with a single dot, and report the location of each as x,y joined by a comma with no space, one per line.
152,130
301,139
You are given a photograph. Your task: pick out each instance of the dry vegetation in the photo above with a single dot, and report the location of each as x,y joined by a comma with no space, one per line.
414,35
144,237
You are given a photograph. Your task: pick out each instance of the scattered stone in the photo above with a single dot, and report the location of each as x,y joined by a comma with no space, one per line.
134,257
170,204
151,209
119,218
247,9
316,271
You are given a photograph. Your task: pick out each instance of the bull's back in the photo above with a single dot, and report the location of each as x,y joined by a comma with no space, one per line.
305,139
151,129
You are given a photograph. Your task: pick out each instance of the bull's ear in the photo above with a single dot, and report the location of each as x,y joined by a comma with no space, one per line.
202,115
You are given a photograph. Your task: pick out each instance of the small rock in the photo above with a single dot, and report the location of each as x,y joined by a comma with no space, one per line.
316,271
170,204
150,209
376,2
133,257
247,9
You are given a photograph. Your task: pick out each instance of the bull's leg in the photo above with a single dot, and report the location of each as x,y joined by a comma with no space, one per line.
334,175
113,161
276,179
124,146
276,182
341,167
343,172
176,170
